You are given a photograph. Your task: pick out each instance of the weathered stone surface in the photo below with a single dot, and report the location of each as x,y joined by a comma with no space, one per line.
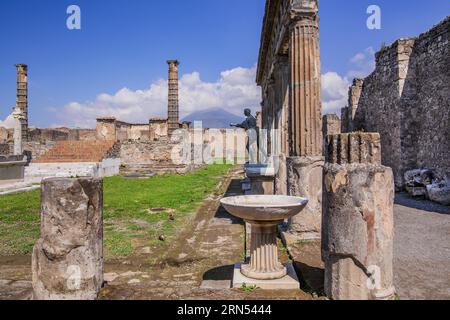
12,168
5,149
419,177
22,98
331,124
357,234
353,148
439,192
406,99
305,180
348,113
68,257
173,105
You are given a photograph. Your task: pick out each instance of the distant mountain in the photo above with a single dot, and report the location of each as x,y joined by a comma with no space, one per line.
214,118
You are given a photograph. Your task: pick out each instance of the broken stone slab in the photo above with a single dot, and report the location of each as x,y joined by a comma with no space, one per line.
440,193
67,260
416,191
358,220
419,177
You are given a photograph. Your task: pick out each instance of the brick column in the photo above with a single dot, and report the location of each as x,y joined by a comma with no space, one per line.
358,223
22,97
173,107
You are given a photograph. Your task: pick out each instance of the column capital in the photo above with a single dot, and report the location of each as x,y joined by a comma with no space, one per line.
173,62
305,11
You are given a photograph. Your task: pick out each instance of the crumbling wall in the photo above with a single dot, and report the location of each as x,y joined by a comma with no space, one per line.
3,135
60,134
406,99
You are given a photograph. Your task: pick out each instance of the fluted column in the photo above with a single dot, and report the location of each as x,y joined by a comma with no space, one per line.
264,263
305,163
173,107
22,97
306,107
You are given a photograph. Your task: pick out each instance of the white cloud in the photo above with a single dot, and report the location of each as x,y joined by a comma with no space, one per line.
362,64
235,90
334,92
335,87
8,123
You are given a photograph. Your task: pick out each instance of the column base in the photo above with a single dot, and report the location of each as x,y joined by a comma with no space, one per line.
288,282
247,271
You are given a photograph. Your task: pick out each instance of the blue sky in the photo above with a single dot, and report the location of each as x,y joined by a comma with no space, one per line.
116,62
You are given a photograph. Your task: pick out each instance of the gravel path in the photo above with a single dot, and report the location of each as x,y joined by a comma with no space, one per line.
422,249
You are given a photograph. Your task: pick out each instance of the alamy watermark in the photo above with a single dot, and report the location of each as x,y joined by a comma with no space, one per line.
374,20
73,22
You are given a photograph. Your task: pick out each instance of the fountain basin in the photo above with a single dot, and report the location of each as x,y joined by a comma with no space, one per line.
264,213
264,207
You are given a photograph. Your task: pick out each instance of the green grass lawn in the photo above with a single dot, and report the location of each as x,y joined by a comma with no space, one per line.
129,222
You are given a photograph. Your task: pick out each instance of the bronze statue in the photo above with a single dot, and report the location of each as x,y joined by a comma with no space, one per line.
249,123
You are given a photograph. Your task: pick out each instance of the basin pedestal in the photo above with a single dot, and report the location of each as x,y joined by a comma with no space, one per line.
264,263
264,213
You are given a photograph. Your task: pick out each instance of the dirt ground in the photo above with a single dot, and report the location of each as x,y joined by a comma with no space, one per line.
200,263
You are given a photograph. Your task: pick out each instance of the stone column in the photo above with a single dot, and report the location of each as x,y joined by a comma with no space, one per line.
358,231
304,166
18,118
67,261
282,76
22,97
304,56
173,107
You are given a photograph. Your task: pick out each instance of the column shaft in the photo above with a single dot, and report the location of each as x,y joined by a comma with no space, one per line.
306,108
22,97
173,102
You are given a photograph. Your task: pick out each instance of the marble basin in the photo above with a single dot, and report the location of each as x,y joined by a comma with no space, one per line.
264,207
264,213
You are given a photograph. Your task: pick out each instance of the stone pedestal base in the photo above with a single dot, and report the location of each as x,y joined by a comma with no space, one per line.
304,176
288,282
260,186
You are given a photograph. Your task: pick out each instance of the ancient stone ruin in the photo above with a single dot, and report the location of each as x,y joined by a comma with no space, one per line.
358,219
68,258
406,99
